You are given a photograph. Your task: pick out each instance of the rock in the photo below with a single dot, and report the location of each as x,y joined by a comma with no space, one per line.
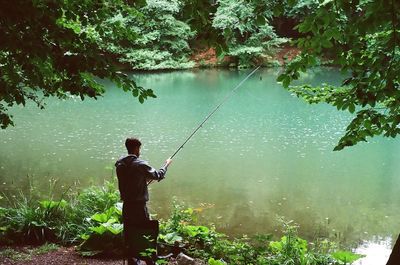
183,259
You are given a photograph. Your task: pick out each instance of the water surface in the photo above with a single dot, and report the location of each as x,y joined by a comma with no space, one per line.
264,154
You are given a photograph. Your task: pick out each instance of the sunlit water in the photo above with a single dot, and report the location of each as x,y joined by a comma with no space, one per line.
264,154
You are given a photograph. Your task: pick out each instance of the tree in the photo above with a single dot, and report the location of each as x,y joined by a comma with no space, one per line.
57,48
361,37
162,41
246,29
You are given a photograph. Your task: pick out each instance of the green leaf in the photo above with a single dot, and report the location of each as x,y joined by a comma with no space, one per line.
286,82
281,77
278,10
141,99
53,204
171,238
352,108
346,256
114,228
100,217
326,43
194,231
98,229
212,261
276,246
260,20
85,236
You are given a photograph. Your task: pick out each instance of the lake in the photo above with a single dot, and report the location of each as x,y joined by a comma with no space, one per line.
263,155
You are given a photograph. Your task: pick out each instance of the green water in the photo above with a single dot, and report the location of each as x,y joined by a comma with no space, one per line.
264,154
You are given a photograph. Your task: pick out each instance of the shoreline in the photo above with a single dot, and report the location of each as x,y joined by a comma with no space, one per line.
91,220
207,59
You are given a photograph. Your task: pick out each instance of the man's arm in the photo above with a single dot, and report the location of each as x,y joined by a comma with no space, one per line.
153,174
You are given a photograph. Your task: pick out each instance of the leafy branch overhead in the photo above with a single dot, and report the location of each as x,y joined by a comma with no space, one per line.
57,49
63,48
362,39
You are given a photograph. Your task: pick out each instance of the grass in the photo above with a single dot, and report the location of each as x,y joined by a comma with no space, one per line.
25,254
45,248
15,255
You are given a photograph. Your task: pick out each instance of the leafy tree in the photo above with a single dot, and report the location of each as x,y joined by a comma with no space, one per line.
361,37
162,41
298,9
246,29
56,48
198,14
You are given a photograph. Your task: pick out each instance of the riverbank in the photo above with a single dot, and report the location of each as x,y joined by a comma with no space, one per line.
208,58
14,255
88,222
51,254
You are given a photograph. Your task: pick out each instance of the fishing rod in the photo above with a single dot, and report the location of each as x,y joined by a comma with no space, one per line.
227,97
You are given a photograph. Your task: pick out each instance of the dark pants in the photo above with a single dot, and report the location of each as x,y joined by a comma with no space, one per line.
138,229
135,213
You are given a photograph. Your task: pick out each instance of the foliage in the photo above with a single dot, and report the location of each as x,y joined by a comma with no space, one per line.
199,16
96,226
246,29
104,233
57,48
212,261
297,9
362,38
292,249
162,40
83,205
205,243
346,257
32,222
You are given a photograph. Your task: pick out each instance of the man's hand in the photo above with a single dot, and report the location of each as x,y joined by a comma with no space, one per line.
167,162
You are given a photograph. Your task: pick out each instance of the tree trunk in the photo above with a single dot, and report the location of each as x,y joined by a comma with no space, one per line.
394,258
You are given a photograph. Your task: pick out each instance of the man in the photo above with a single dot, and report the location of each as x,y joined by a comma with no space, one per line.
134,175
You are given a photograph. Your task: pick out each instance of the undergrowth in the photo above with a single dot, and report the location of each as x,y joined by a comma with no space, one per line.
92,219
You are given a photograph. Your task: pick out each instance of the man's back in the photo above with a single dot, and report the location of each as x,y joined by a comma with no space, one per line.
133,174
131,181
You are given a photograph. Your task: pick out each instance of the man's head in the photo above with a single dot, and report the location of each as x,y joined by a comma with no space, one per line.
133,146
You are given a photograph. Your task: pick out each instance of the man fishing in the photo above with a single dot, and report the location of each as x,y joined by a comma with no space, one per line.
134,175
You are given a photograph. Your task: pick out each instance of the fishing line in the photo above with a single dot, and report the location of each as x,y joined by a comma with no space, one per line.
227,97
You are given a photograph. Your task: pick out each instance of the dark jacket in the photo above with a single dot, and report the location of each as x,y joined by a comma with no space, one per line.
133,174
